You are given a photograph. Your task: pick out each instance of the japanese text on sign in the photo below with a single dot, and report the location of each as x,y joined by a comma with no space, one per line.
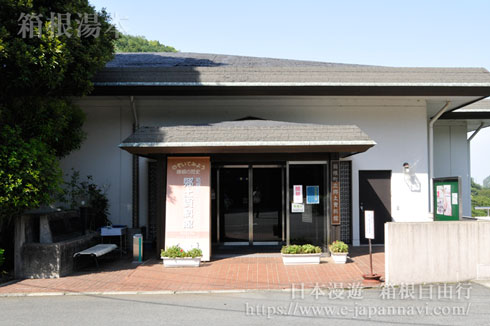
335,193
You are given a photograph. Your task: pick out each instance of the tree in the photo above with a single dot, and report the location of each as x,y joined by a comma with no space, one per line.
29,172
479,197
486,182
49,51
130,43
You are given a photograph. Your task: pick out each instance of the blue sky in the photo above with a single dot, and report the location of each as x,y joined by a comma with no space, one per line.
392,33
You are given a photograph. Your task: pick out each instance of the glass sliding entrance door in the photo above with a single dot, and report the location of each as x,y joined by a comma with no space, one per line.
233,205
267,197
307,203
251,204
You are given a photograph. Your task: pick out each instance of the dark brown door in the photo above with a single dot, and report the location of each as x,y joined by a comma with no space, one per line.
375,195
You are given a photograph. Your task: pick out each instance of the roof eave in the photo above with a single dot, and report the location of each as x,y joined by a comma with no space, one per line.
295,89
146,150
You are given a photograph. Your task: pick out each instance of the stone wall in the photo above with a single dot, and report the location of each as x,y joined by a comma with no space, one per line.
45,241
429,252
53,260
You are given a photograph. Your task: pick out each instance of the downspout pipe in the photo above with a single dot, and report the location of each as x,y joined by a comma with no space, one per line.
432,121
136,123
136,175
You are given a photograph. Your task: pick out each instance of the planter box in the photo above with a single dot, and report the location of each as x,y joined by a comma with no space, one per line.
181,262
339,257
301,259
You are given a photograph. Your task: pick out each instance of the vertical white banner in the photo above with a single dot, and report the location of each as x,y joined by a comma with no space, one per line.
369,224
188,210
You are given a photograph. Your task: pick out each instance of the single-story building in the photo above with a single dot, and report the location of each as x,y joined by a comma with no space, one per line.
207,149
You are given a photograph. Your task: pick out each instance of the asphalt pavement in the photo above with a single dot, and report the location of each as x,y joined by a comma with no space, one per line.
449,304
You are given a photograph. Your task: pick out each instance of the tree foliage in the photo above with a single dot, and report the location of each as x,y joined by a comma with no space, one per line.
130,43
486,182
480,196
51,64
29,173
39,74
55,121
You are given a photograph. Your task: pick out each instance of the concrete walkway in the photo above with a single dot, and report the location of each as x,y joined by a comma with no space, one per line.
249,272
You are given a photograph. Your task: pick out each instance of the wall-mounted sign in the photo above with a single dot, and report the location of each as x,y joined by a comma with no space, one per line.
369,224
335,192
313,194
297,208
298,194
187,213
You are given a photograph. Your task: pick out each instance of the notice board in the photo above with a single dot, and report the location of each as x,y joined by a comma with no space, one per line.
447,199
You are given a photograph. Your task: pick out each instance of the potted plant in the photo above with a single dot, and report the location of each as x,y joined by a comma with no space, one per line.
301,254
175,256
339,251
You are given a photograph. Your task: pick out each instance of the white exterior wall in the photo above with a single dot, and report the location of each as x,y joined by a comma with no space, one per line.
106,125
399,126
452,156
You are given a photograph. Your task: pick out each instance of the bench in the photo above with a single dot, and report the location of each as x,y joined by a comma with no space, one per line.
96,251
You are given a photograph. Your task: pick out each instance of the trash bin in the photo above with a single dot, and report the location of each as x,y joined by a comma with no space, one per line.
137,248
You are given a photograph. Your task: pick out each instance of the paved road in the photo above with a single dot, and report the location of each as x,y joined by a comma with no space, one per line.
257,308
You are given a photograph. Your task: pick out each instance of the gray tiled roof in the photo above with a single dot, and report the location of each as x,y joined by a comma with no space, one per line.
475,114
247,133
212,69
480,106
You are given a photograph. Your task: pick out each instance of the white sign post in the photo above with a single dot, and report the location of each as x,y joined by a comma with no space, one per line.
369,233
369,225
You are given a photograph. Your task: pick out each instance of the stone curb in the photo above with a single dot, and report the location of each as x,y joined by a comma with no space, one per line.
47,294
164,292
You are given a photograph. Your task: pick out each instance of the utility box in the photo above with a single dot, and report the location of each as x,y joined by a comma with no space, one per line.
447,199
137,248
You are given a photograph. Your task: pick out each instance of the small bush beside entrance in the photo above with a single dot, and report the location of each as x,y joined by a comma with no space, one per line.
175,256
339,251
301,254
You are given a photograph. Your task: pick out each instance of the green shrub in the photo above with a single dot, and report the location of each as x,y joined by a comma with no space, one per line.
300,249
76,189
2,258
338,247
29,172
195,252
178,252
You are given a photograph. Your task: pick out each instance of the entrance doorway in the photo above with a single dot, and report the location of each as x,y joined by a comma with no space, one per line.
250,204
308,224
375,195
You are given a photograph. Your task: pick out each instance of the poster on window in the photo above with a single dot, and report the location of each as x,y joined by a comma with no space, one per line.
313,194
444,200
297,208
307,216
298,194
